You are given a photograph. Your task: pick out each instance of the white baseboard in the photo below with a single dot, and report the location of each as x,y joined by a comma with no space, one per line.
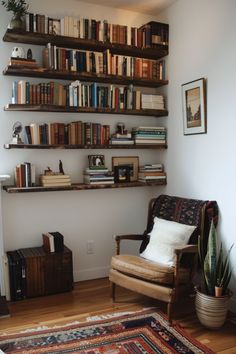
92,273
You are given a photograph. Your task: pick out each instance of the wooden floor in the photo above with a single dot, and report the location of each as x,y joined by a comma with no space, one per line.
93,297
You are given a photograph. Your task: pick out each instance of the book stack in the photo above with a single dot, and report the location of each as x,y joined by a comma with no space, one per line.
149,135
149,101
151,173
98,175
55,180
119,139
24,63
53,242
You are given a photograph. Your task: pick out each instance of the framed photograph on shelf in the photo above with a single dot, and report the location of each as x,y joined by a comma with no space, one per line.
122,173
127,162
194,107
54,26
96,161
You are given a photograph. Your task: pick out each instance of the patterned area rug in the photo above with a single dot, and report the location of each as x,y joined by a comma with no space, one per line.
140,332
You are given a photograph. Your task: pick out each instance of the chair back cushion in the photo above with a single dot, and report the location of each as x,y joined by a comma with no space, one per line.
193,212
165,236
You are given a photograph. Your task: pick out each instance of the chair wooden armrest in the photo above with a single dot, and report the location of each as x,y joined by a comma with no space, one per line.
186,249
133,237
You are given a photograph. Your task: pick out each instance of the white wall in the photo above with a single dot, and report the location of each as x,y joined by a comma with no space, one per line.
202,44
79,216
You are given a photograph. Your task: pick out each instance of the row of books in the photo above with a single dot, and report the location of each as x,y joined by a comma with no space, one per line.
89,133
98,175
149,135
151,173
147,35
102,63
55,180
24,174
53,242
77,94
74,133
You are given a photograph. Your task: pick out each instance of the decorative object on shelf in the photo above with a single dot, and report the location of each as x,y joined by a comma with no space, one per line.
18,52
121,128
212,308
194,107
19,9
54,26
122,173
131,161
97,172
61,170
48,172
17,129
29,54
96,161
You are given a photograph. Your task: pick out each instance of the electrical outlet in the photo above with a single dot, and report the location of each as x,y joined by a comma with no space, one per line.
90,247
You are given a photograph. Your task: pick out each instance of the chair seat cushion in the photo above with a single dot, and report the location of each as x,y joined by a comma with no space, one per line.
148,270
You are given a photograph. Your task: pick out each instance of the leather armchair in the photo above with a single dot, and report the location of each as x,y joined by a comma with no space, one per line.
155,280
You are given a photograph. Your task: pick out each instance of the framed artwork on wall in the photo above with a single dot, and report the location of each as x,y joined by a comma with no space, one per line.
194,107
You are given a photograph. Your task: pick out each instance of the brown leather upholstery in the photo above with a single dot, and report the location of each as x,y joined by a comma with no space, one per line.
147,270
164,283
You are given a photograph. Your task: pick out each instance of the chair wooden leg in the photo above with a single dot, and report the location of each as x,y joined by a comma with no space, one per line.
169,312
113,291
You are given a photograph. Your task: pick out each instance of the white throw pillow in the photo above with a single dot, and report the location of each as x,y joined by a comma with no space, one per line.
164,238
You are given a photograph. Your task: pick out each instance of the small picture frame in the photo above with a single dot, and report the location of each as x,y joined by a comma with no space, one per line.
122,173
194,107
129,161
97,161
54,26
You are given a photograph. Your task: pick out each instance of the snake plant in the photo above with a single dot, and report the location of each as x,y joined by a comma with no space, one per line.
215,267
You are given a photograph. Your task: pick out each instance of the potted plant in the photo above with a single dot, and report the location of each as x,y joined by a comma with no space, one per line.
19,9
212,299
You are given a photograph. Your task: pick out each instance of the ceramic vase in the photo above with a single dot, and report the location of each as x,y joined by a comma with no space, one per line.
211,310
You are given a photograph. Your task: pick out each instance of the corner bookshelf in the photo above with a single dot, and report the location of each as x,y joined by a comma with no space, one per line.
42,39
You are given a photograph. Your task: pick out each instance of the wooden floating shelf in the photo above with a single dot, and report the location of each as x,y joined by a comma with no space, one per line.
63,109
20,36
82,76
81,186
88,146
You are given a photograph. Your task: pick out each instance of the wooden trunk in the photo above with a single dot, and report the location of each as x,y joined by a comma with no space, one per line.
47,273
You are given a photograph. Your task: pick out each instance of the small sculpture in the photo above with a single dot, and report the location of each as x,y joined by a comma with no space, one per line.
48,172
61,170
29,54
17,129
18,52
